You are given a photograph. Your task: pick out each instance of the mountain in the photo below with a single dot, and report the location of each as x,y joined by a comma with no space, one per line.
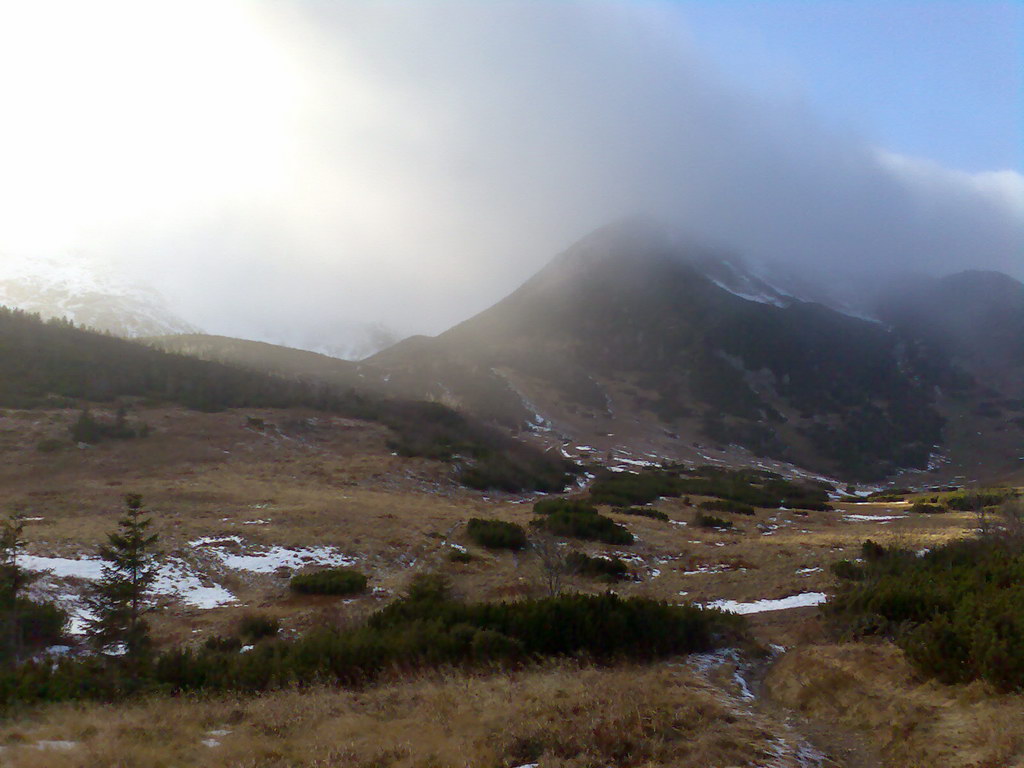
88,295
634,334
345,341
269,358
54,364
975,318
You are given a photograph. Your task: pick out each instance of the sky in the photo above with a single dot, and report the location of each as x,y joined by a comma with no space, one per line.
288,170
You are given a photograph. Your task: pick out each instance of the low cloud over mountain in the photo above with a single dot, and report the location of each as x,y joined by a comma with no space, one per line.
411,163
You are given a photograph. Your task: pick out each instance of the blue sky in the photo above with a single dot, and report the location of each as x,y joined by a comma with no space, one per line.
938,80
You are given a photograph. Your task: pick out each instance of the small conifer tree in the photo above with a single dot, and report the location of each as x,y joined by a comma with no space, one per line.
119,599
13,580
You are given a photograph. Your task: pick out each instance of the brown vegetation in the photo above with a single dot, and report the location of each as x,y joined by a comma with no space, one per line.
870,689
561,716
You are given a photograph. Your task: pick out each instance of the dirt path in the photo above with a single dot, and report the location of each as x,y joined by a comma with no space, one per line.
827,744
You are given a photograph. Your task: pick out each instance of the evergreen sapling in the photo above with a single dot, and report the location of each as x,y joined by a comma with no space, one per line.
119,599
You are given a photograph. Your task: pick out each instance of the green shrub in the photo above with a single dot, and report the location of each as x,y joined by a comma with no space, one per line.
256,626
459,556
496,534
603,568
550,506
710,521
223,644
654,514
425,629
584,525
723,505
39,624
330,581
50,445
957,611
847,569
626,488
872,551
427,587
975,501
925,508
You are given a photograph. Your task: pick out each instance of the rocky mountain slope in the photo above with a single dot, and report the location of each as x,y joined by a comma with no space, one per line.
636,339
632,330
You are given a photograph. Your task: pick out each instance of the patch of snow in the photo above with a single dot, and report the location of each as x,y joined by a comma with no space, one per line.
64,567
762,606
57,650
176,578
275,557
719,568
805,571
871,518
637,462
204,540
56,744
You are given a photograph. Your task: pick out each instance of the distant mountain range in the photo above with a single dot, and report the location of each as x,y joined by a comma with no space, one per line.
88,295
94,296
636,339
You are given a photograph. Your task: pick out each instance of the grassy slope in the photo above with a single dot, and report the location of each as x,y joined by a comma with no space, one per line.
55,363
560,716
869,688
338,484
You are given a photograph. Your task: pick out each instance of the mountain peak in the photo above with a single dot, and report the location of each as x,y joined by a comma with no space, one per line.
88,293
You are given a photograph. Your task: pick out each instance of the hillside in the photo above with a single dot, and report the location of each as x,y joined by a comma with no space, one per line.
55,364
630,326
271,358
89,295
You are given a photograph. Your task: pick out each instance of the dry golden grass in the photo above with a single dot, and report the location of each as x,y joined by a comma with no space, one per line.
309,479
560,716
334,482
870,688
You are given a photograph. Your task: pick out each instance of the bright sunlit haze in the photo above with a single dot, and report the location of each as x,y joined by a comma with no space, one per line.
281,170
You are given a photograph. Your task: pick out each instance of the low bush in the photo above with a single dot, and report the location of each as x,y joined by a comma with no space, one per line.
496,534
922,507
957,611
330,581
460,556
254,627
50,445
88,429
627,488
588,526
847,569
603,568
425,629
550,506
223,644
975,501
654,514
752,487
710,521
723,505
36,625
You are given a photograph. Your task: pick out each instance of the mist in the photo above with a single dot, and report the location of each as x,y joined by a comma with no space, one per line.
413,163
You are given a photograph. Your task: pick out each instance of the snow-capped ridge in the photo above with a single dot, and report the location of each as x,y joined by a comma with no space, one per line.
88,294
